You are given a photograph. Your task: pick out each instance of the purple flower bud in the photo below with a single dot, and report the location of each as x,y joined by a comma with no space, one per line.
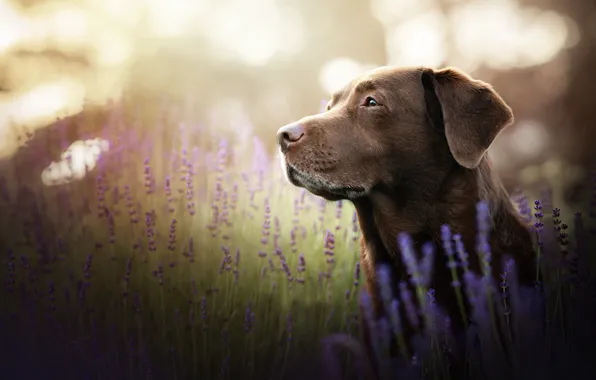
409,258
406,298
248,319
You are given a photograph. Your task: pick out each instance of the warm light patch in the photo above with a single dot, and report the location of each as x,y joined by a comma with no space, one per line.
503,35
254,31
79,159
335,74
418,41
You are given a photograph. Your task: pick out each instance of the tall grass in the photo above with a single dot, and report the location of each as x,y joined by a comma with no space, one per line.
178,260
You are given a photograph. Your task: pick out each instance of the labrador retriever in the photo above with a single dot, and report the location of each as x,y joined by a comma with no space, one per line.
407,146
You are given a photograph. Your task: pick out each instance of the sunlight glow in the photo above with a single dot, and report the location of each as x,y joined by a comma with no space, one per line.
390,12
254,31
79,159
172,18
13,26
418,41
502,35
528,138
337,73
44,102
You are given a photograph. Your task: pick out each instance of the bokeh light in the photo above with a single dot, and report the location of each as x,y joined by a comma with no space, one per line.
252,66
146,215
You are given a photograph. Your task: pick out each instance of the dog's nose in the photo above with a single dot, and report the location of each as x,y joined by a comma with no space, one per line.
289,134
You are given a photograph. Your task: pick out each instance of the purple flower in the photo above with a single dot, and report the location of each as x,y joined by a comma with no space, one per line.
285,267
111,227
172,235
461,251
524,206
394,316
10,280
338,212
409,258
248,319
301,263
226,262
293,239
289,327
408,302
191,250
355,226
266,223
136,303
369,318
538,215
150,231
148,178
204,312
483,220
426,266
384,279
87,267
431,313
159,274
128,270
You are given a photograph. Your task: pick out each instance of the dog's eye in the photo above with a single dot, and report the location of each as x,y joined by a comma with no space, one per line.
370,102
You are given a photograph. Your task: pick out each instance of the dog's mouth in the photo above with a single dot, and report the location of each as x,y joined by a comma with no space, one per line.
322,187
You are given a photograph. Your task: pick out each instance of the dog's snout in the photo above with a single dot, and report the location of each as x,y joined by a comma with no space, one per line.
289,134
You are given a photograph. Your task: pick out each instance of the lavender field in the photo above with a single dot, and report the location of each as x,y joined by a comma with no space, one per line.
182,256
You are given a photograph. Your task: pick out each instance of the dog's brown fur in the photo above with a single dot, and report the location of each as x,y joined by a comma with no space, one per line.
412,162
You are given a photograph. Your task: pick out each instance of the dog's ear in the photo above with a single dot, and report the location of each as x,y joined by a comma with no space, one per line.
472,113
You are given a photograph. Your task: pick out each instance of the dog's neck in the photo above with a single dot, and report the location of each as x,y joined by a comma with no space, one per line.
450,200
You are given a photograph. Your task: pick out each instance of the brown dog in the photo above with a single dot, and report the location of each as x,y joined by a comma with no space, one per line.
407,146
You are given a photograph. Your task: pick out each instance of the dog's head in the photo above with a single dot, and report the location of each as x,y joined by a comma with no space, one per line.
389,126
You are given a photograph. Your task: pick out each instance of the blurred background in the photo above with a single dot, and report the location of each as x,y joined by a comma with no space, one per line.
243,68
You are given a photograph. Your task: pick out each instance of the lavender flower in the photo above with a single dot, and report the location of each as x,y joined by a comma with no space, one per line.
447,239
285,267
226,262
158,273
204,312
172,235
128,271
289,328
524,207
148,178
338,212
150,231
426,266
409,258
10,280
483,221
111,227
508,267
249,316
329,247
190,205
191,250
266,223
369,319
406,298
87,267
355,226
538,215
293,239
431,312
